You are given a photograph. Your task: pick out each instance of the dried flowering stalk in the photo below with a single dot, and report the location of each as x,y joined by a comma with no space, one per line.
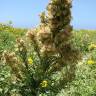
55,34
11,60
53,42
22,51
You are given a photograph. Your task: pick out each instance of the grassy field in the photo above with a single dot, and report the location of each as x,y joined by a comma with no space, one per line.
84,83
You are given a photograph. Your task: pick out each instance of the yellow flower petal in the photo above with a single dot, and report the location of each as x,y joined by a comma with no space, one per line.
44,83
30,61
90,62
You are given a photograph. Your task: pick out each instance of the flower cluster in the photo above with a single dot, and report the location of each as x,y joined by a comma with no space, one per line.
90,61
20,45
44,83
92,46
31,34
11,60
55,33
30,61
9,57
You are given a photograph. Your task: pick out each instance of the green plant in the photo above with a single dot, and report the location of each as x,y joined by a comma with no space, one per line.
6,41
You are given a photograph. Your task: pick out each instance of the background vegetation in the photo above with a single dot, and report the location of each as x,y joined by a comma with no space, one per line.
84,83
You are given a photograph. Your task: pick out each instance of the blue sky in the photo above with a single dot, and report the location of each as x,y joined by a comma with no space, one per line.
25,13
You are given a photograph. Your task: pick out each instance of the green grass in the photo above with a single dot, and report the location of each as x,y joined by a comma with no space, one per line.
8,35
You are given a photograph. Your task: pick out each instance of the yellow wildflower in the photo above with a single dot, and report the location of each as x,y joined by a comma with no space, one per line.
30,61
44,83
90,61
92,46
